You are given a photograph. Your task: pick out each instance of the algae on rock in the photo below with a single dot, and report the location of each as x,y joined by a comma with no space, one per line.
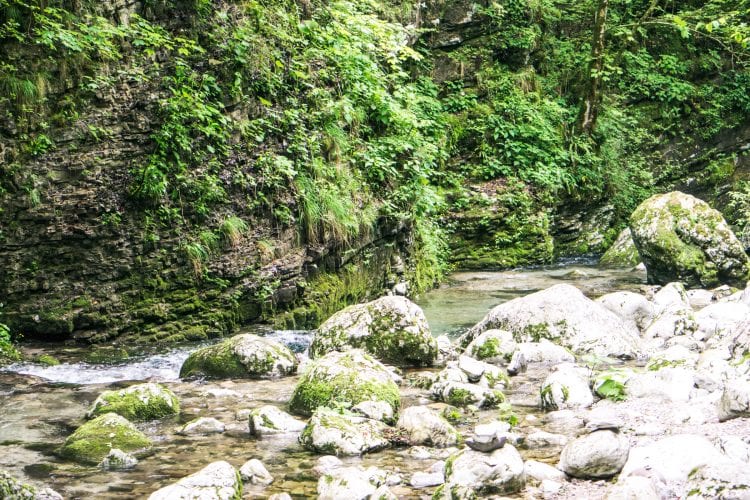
681,238
392,329
93,441
138,402
242,356
344,378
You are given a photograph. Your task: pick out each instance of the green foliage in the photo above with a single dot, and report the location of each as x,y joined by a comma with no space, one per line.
232,230
8,352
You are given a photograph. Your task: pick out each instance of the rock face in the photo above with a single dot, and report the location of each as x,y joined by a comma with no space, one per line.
601,454
392,329
424,426
681,238
498,473
334,433
137,402
562,314
216,481
242,356
350,376
93,441
270,420
622,253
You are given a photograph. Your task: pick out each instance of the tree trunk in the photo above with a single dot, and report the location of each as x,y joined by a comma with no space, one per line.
593,98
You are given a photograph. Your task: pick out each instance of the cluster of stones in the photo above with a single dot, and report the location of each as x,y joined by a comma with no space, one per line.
348,400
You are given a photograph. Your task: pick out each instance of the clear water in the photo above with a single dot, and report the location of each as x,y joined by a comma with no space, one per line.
467,296
42,405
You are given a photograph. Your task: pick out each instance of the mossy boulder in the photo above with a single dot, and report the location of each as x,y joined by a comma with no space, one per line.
622,253
13,489
393,329
681,238
92,442
242,356
335,433
138,402
344,378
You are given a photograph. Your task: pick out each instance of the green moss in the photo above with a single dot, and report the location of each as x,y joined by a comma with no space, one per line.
91,442
47,360
221,360
350,386
12,488
460,397
452,414
537,332
489,349
140,402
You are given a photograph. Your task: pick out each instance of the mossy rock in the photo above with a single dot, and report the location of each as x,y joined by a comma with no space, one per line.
12,488
242,356
393,329
681,238
137,402
622,253
344,378
342,433
92,442
492,345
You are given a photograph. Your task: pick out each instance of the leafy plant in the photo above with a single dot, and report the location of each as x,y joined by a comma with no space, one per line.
232,229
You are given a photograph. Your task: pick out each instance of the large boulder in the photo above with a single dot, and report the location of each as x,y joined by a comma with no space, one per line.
344,377
622,253
563,315
423,426
216,481
672,460
681,238
725,480
242,356
601,454
137,402
93,441
498,473
334,433
392,329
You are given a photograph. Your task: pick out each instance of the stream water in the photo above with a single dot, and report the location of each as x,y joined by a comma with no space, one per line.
41,405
